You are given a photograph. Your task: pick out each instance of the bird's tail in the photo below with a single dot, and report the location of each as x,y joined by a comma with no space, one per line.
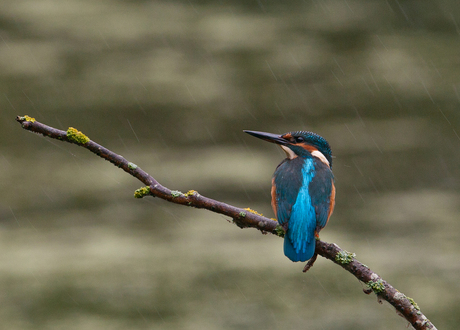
305,253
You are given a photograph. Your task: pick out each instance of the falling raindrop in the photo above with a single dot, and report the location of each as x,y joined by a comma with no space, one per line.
132,129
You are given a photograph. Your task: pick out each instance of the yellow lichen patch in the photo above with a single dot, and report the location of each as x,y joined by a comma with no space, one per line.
141,192
76,136
191,193
27,118
344,257
252,211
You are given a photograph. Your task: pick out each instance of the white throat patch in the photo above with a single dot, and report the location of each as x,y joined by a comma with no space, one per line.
289,153
318,154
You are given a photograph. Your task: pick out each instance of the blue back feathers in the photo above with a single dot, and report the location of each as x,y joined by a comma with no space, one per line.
299,245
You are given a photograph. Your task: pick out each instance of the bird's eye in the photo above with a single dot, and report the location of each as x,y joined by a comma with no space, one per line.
299,139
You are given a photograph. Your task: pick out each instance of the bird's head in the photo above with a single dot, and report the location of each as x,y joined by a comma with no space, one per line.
299,144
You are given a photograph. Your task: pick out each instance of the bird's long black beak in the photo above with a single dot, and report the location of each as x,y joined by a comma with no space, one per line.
269,137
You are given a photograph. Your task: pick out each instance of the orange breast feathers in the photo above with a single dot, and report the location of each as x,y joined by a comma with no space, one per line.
331,202
273,193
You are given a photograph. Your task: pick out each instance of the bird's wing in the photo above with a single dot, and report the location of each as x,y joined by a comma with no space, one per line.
286,184
322,192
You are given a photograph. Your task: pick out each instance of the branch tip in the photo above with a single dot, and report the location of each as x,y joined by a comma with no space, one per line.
310,263
25,118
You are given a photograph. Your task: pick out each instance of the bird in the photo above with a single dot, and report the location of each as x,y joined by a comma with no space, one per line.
303,190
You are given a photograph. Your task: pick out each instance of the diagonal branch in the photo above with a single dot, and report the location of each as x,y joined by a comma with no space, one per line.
243,218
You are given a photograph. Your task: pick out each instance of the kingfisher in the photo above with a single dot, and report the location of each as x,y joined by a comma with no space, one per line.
303,191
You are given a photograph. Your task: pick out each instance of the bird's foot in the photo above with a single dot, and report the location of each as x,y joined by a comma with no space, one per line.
310,263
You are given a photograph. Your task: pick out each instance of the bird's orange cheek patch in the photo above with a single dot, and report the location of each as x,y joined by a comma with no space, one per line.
287,136
308,147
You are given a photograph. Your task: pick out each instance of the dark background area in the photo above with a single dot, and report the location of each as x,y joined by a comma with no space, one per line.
170,85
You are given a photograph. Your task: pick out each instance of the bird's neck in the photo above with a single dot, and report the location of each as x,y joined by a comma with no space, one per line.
289,153
311,153
318,154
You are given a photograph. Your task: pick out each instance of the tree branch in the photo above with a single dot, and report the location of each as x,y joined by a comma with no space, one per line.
243,218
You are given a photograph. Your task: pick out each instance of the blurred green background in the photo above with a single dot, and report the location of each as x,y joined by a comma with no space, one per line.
170,85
